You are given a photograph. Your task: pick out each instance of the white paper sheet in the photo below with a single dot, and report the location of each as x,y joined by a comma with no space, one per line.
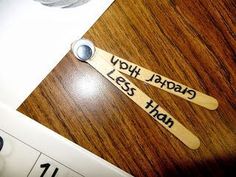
34,38
30,149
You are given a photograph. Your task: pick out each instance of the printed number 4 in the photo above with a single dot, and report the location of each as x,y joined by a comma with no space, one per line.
46,167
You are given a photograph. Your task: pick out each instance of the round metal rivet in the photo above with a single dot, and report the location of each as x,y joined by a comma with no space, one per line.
83,49
84,52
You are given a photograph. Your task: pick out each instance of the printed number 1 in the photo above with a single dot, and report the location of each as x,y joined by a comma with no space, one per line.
1,143
46,166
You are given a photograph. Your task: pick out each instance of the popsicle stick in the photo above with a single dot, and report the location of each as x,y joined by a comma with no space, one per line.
162,82
141,99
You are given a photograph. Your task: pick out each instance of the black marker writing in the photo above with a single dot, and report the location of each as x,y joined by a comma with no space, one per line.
122,82
172,86
133,70
156,114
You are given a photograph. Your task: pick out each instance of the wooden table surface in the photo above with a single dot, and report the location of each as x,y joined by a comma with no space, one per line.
192,42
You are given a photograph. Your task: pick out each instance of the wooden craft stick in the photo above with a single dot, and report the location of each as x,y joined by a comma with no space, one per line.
99,62
162,82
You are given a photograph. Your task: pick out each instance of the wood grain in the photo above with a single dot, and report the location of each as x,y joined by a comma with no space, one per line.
192,42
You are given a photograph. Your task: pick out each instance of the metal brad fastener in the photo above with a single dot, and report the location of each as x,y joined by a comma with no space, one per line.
83,49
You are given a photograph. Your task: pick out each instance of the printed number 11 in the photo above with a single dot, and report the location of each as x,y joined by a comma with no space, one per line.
46,166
